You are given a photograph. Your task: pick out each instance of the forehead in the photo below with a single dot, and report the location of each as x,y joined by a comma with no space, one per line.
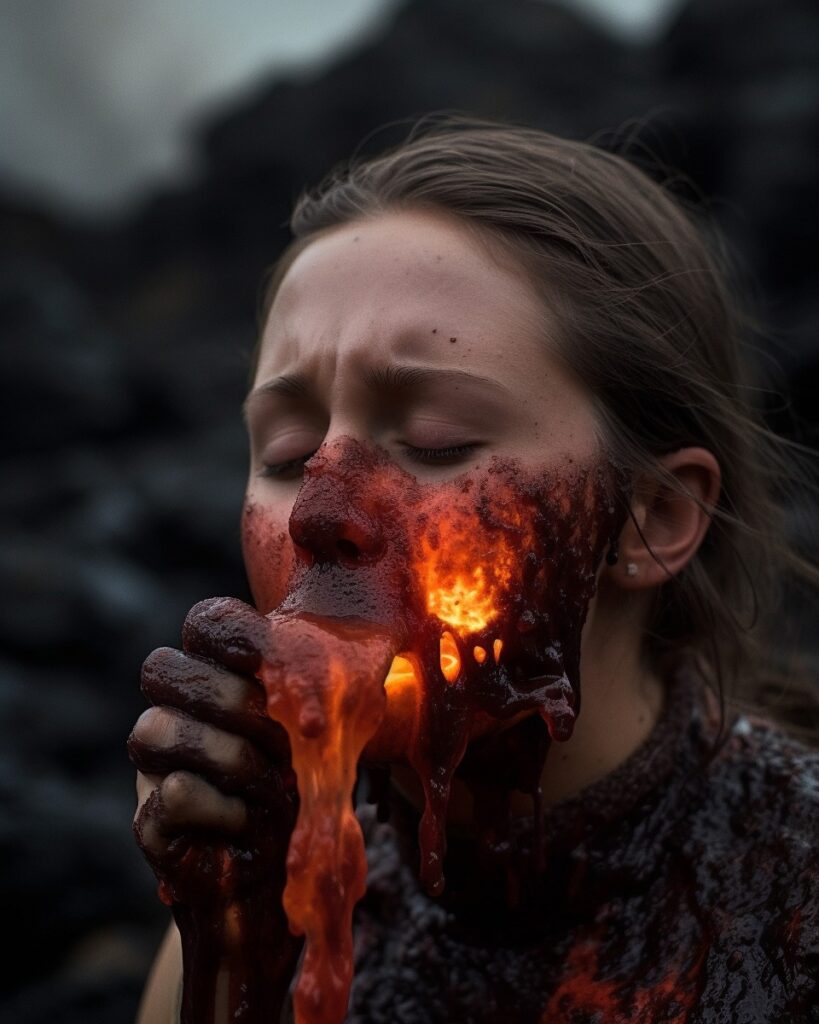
404,285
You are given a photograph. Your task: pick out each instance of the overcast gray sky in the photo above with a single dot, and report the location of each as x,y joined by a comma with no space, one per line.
95,95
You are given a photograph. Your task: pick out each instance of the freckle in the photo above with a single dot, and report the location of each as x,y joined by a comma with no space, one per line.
434,330
453,340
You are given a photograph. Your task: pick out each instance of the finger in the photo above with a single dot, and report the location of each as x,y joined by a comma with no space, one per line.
182,801
228,631
212,694
145,785
165,739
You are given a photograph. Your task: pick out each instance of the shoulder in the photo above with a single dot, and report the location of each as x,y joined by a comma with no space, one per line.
770,779
750,837
755,804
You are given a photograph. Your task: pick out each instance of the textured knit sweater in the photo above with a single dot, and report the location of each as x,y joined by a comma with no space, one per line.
680,888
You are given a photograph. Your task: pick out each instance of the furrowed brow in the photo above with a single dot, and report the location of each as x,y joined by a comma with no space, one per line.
404,378
291,386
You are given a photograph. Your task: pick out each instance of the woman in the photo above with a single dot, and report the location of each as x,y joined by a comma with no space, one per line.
486,297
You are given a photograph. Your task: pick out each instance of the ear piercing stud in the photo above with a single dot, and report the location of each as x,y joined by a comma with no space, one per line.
631,568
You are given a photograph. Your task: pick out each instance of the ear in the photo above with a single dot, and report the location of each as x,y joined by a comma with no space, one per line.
667,525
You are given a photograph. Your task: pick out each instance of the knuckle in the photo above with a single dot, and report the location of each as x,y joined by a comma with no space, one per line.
155,727
233,692
156,666
158,656
206,609
228,749
178,789
231,755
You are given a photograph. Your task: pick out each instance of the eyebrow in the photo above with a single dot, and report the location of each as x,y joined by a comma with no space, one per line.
379,378
404,378
289,385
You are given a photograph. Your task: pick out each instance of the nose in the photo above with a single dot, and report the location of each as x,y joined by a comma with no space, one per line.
331,523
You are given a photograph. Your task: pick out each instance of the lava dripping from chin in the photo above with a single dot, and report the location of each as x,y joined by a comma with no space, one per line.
436,624
326,690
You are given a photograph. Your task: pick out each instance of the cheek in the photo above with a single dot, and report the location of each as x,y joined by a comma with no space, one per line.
268,553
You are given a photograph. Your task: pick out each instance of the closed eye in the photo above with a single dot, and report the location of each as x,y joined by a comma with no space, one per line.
441,455
289,470
293,468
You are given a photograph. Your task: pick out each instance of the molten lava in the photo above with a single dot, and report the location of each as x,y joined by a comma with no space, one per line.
326,690
383,650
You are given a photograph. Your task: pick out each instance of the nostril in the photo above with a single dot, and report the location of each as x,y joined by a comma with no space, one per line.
347,548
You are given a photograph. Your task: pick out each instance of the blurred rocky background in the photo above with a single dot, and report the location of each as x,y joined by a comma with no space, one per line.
130,273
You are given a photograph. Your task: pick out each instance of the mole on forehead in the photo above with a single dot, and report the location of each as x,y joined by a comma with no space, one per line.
487,339
412,329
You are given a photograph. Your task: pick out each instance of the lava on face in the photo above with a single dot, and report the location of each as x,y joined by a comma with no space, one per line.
463,602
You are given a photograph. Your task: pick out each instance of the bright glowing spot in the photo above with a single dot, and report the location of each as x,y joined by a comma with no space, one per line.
467,563
497,647
465,602
450,658
479,654
401,674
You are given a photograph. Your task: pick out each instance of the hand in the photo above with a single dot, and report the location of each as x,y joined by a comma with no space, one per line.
216,795
216,807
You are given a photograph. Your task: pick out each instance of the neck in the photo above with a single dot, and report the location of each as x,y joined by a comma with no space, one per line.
619,712
621,696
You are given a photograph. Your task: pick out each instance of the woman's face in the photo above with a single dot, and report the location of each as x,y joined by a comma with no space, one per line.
402,331
419,460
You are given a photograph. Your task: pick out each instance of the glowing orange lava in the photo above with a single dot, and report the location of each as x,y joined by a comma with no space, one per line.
464,586
450,657
401,674
326,690
467,603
